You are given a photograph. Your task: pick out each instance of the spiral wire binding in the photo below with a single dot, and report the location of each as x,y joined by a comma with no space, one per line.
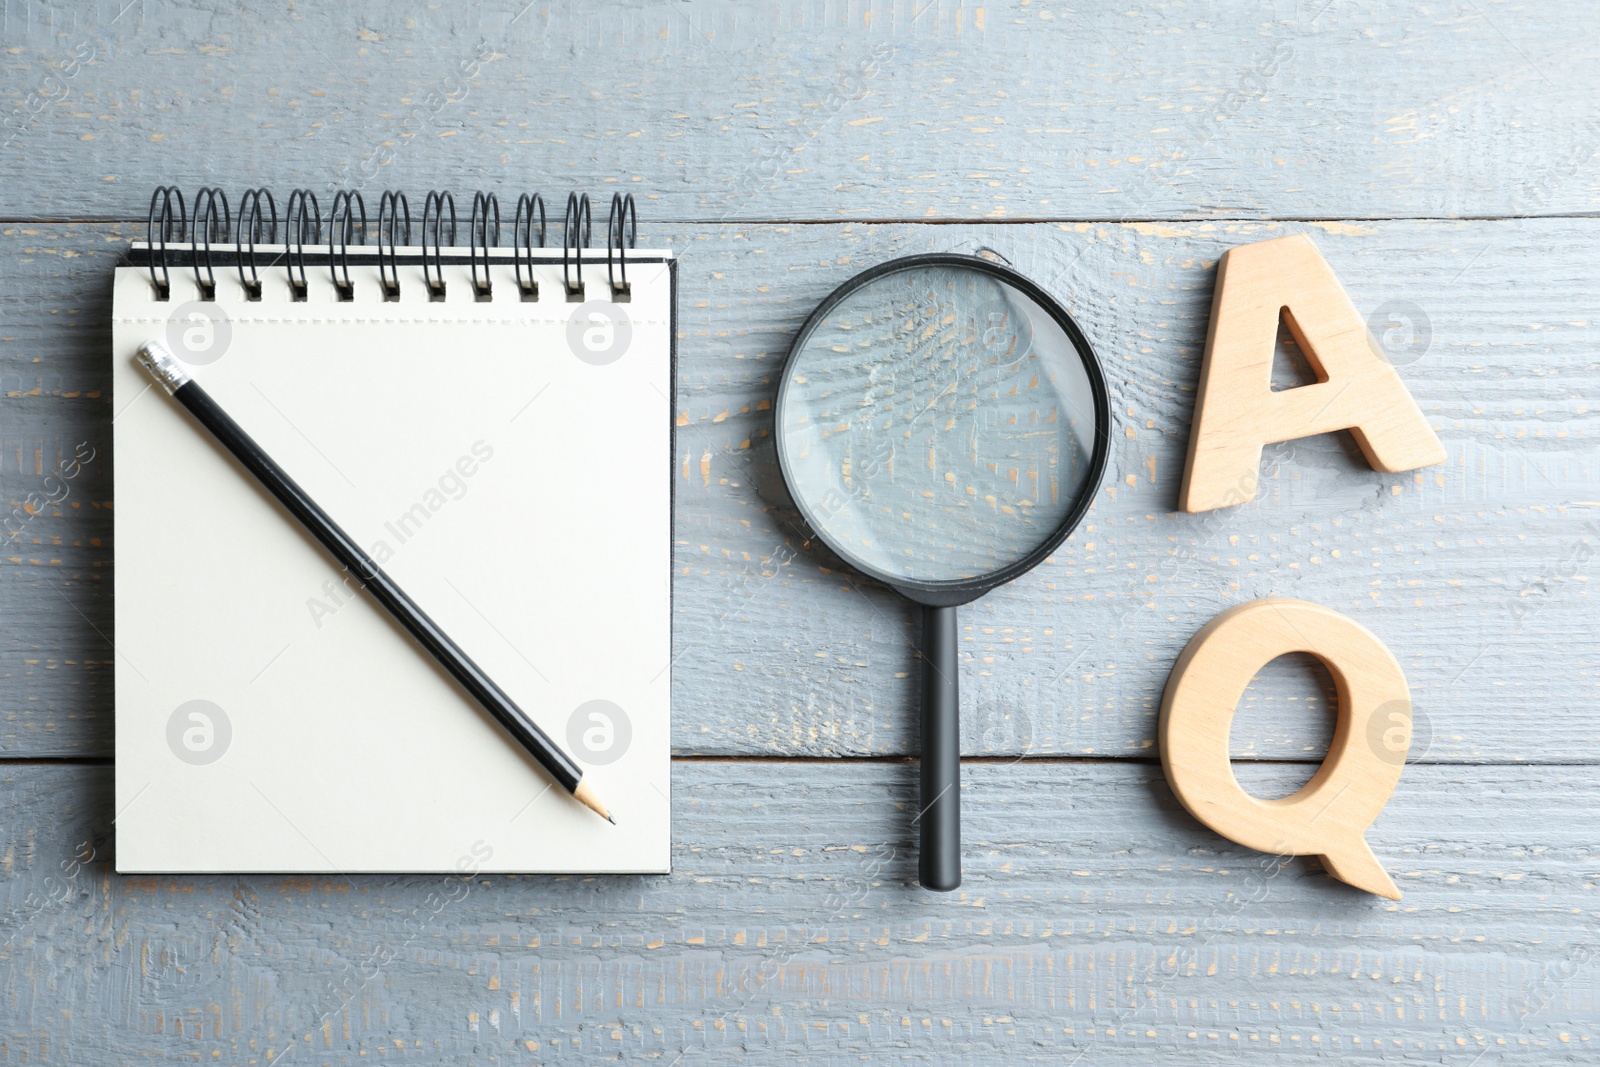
483,233
258,224
522,243
302,215
622,231
254,229
394,211
433,210
574,238
209,225
161,211
342,229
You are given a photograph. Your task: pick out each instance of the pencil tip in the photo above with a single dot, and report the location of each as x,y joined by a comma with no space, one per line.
587,798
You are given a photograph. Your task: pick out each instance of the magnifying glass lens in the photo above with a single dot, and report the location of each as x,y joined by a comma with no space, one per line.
938,425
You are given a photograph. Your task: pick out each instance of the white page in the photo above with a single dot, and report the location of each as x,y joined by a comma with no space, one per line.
519,493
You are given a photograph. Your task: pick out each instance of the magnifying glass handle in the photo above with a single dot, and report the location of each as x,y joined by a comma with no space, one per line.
939,864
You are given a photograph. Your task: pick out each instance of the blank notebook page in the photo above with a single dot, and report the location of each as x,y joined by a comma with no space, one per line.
506,461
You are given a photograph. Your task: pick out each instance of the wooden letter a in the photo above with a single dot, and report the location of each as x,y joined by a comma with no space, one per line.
1236,411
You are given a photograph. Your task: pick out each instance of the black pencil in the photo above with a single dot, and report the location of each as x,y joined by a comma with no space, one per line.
161,365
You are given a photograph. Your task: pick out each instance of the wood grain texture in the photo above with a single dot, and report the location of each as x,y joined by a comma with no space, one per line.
1471,573
1075,655
898,109
1096,916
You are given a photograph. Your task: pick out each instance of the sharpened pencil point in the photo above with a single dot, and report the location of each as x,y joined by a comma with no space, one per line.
587,798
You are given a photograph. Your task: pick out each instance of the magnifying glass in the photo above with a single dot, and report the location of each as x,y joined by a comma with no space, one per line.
942,424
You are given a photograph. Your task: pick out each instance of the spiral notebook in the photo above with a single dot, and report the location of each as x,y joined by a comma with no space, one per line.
493,424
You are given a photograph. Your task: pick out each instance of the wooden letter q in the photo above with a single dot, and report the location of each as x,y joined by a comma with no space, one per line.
1330,814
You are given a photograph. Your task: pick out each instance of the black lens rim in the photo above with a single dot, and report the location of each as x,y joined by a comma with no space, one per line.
949,594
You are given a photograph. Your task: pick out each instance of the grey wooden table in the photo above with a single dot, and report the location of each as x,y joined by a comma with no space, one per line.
1441,156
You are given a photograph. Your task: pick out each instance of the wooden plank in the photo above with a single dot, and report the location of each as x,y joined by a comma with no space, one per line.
1095,916
56,657
884,109
1475,574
